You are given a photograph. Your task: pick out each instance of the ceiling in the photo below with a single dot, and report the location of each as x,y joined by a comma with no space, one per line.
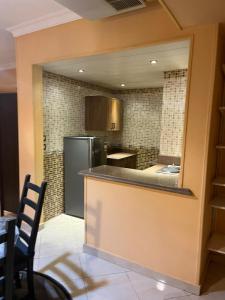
131,67
7,50
23,14
197,12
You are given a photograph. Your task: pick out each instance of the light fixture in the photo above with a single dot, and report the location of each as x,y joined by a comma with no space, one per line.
81,70
122,84
160,286
153,61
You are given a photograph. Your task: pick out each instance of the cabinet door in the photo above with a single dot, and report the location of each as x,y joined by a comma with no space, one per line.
114,114
96,110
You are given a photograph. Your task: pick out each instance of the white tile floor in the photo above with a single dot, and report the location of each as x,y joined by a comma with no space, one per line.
59,254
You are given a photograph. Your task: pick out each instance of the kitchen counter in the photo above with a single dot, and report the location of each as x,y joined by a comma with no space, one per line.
120,155
147,178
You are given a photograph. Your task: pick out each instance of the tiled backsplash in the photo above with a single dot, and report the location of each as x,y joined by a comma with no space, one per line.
64,107
142,117
173,108
54,198
141,123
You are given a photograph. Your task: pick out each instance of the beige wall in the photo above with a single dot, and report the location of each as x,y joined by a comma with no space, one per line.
82,38
184,215
155,229
8,81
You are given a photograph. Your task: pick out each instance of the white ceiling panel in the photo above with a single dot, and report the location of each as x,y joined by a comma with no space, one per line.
131,67
25,16
14,12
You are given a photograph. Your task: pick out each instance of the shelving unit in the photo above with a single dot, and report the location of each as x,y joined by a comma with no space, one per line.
220,147
222,109
219,181
216,242
218,202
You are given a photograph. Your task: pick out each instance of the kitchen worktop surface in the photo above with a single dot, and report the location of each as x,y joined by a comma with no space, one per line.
147,178
120,155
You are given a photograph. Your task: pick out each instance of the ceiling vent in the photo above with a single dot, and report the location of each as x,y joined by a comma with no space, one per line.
126,4
97,9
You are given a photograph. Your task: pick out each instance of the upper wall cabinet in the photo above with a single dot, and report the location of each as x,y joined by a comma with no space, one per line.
103,113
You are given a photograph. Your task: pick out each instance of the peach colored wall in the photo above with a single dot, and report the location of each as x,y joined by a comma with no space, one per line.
81,38
154,229
7,81
137,29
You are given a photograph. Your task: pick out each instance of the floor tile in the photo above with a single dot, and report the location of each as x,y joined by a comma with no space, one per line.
59,253
148,288
36,264
62,267
95,266
111,287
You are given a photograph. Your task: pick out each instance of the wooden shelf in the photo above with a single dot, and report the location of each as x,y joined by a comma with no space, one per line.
220,147
219,181
217,243
218,202
223,68
222,109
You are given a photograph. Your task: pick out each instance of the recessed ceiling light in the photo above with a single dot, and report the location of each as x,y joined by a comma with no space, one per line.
153,61
122,84
81,70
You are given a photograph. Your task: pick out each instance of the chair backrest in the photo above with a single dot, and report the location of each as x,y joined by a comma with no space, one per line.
29,240
7,239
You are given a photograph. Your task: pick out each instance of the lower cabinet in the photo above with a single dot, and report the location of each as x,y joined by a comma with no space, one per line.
127,162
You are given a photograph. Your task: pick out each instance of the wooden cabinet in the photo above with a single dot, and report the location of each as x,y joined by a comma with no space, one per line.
217,239
123,160
103,113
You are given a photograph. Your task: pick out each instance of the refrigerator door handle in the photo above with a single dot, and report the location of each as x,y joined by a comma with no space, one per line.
90,153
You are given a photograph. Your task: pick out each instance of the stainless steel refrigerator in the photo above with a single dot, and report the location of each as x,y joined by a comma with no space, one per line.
80,153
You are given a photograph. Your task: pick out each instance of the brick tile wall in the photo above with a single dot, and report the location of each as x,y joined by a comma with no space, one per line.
142,122
172,121
63,116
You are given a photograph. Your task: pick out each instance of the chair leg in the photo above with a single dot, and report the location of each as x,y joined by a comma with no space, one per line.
30,278
17,280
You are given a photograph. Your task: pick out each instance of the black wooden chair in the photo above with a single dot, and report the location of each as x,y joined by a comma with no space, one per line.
25,246
7,239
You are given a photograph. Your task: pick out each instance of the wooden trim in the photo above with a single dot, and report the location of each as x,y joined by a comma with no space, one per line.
170,13
186,110
37,82
38,122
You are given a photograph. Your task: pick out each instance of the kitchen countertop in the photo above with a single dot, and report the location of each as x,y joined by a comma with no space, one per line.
120,155
146,178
